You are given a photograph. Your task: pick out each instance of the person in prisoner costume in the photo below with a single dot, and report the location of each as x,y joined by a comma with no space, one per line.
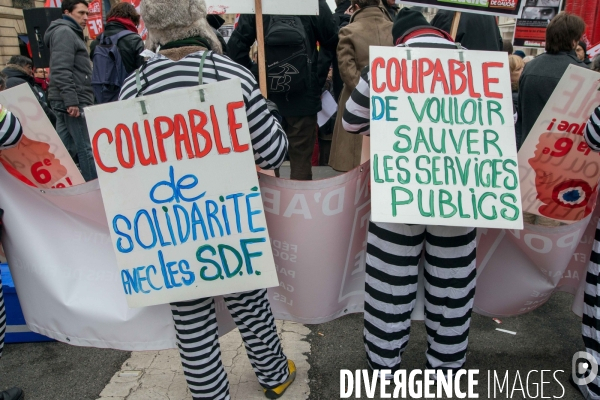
394,252
10,134
590,327
180,29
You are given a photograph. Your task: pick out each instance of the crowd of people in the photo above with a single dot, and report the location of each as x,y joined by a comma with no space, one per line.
329,51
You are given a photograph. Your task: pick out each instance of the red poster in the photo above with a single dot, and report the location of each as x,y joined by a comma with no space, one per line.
94,23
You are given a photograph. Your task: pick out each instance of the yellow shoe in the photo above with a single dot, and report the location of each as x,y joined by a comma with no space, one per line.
277,392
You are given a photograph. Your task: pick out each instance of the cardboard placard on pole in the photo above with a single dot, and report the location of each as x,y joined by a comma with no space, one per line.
269,7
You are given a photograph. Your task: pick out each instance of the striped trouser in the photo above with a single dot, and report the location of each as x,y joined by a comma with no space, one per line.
393,255
198,342
591,312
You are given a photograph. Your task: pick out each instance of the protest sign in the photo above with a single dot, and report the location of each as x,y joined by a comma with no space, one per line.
40,159
530,30
500,8
181,194
559,172
304,7
443,145
94,23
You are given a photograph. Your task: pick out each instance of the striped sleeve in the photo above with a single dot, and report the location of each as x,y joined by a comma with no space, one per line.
356,115
160,74
592,131
11,130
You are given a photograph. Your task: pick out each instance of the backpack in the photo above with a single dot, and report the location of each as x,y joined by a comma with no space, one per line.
289,64
109,72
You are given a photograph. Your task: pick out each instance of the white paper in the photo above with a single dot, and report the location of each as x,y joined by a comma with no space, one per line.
329,107
289,7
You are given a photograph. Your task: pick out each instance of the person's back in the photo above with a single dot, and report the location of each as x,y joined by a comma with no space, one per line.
299,108
19,71
542,74
475,31
123,17
370,25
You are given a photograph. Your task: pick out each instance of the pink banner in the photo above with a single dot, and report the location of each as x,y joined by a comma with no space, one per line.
318,234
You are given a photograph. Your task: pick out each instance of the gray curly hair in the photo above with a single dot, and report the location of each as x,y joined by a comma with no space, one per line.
170,20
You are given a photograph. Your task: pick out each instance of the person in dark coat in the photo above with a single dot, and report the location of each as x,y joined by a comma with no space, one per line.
328,58
300,109
581,51
18,71
475,31
121,17
216,21
542,74
391,7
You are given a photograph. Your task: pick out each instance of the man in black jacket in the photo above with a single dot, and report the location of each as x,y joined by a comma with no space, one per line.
124,17
71,82
328,58
300,109
475,31
18,71
542,74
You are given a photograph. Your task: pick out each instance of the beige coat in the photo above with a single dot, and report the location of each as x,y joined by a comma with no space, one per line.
370,26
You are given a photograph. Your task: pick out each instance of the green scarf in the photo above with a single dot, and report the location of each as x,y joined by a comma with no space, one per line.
193,41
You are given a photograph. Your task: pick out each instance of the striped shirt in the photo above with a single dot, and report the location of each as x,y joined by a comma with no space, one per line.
592,131
161,74
358,107
11,130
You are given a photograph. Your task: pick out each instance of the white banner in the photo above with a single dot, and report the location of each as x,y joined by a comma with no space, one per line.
304,7
60,254
181,194
443,143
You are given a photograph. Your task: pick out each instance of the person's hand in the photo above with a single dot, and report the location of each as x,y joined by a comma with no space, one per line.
73,111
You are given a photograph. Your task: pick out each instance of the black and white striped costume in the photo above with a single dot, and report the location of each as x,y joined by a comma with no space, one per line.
10,134
393,255
195,321
590,327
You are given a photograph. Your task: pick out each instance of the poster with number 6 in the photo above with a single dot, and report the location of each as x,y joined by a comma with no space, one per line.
40,159
559,172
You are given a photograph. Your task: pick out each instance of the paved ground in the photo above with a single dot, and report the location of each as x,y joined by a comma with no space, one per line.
157,375
546,339
56,371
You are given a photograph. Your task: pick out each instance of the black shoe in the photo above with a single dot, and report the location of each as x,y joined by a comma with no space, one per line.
12,394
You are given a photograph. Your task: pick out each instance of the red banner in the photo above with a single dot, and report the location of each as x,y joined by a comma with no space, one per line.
94,22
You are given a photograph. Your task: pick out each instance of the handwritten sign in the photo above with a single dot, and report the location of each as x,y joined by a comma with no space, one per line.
181,194
501,8
559,172
443,145
40,159
304,7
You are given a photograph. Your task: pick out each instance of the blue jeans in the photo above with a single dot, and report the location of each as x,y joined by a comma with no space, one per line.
74,134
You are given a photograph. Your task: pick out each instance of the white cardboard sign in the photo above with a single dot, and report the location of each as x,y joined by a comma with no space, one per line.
40,159
274,7
181,194
443,145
